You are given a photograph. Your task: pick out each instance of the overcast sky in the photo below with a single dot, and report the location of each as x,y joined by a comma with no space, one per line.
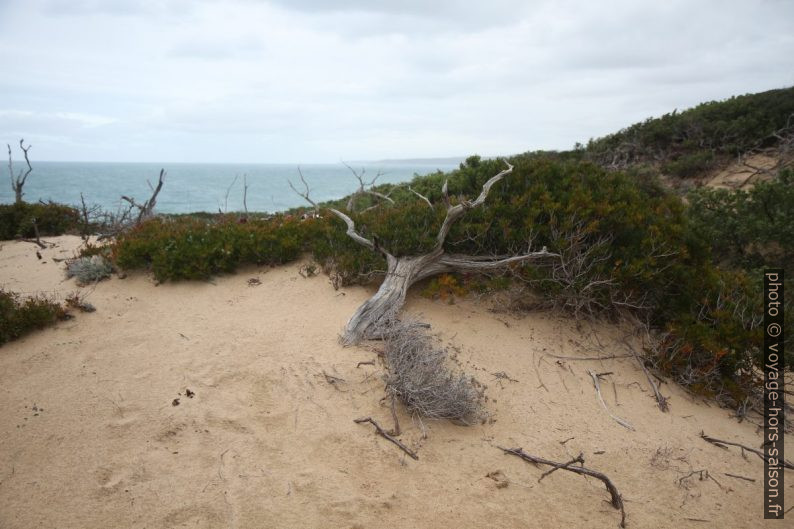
323,80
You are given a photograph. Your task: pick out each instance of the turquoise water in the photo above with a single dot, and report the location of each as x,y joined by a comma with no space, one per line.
199,187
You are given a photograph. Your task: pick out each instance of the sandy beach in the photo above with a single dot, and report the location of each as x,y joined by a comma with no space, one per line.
98,428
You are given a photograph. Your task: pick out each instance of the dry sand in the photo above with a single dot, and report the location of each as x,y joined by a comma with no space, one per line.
744,175
89,437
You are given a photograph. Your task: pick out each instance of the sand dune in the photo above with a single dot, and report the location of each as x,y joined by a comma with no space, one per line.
91,437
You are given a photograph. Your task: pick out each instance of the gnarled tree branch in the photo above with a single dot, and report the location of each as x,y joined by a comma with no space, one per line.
458,210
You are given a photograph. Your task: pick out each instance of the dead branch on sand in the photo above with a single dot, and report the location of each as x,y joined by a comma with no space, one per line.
617,419
722,444
617,501
388,437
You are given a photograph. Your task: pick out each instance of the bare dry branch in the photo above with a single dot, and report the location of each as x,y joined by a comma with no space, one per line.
617,419
427,200
455,212
146,209
722,444
305,194
617,501
388,437
18,181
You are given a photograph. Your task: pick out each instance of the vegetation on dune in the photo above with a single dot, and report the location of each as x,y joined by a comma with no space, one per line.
686,144
21,219
192,248
626,245
20,316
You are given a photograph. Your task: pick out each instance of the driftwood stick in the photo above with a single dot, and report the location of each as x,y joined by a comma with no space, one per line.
610,357
577,459
617,419
388,437
719,442
739,477
617,501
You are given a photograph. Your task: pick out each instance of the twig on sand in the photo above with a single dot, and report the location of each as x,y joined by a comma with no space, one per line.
739,477
333,381
610,357
617,501
617,419
577,459
719,442
388,437
537,372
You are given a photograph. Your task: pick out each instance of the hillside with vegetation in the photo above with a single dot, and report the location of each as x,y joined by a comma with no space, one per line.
686,269
690,143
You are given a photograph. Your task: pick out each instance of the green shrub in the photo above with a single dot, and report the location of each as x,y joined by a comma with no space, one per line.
16,220
192,248
748,229
689,165
21,316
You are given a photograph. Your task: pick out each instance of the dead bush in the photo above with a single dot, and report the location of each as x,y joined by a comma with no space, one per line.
420,378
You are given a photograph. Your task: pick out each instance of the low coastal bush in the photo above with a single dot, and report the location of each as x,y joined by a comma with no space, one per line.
193,248
747,229
17,220
20,316
89,269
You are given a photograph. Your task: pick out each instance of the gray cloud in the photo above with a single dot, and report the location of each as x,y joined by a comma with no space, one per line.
250,80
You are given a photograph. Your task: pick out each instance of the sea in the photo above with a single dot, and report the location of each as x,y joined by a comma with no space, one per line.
210,187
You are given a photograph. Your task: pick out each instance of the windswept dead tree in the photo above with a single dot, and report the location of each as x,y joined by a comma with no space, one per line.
146,209
404,271
18,180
